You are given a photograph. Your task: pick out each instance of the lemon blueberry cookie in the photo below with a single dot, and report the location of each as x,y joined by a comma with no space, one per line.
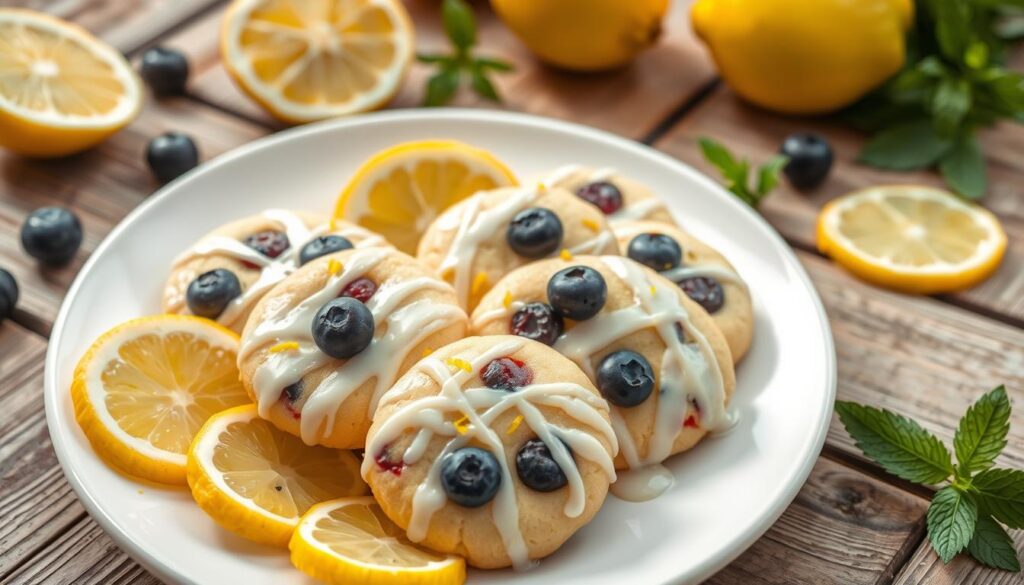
702,272
654,354
476,241
324,344
618,197
494,448
227,271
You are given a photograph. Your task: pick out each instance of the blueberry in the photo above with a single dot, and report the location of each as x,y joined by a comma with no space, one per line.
165,70
625,378
51,235
171,155
810,159
293,392
577,292
343,327
656,251
209,294
471,477
506,373
534,233
705,291
323,245
270,243
8,294
606,196
537,468
537,321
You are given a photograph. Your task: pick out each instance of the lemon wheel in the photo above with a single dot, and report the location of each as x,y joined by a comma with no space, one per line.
913,239
400,190
144,388
61,89
257,481
350,540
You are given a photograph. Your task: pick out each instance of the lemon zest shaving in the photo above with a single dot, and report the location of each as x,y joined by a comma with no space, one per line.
459,363
334,267
654,290
462,425
285,346
518,420
507,301
479,282
565,254
592,225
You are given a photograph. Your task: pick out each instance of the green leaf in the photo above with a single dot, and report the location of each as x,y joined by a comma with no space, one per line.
1001,493
459,23
953,27
441,87
896,443
963,168
906,147
952,516
981,435
495,64
718,155
483,86
951,102
992,546
768,175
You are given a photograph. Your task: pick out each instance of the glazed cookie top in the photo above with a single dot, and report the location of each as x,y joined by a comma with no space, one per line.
232,267
327,317
618,197
476,241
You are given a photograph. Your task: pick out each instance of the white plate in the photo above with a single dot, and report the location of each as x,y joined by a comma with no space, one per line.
728,490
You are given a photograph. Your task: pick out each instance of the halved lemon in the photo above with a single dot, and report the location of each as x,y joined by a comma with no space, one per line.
143,389
310,60
350,540
62,90
911,238
257,481
400,190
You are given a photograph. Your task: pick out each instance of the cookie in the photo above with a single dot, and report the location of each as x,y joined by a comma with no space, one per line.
619,197
496,448
254,254
654,354
476,241
323,345
700,270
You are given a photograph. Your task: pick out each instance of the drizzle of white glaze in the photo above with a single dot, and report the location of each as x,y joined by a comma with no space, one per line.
431,416
645,483
574,176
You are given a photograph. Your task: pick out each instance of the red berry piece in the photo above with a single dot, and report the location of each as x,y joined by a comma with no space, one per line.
693,419
385,463
360,289
606,196
537,321
270,243
506,373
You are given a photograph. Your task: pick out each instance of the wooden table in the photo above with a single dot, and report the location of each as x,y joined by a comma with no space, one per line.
851,523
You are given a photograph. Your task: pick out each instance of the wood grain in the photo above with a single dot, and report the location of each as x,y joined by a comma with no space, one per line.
926,568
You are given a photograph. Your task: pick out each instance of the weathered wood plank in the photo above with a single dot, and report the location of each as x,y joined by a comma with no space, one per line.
757,134
925,567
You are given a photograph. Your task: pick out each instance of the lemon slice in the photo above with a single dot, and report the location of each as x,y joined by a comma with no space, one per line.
61,89
306,61
257,481
400,190
350,540
143,389
911,238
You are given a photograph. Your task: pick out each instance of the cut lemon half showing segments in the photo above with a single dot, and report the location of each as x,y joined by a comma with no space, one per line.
143,389
910,238
400,190
350,540
257,481
305,61
62,90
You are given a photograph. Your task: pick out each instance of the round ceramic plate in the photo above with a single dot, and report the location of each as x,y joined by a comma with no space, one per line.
728,490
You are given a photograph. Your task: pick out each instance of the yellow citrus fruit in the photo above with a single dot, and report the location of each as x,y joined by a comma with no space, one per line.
62,90
257,481
400,190
911,238
143,389
584,35
306,61
801,57
350,540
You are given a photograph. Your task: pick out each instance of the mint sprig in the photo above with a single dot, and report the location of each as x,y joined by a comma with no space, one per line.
736,172
455,69
968,513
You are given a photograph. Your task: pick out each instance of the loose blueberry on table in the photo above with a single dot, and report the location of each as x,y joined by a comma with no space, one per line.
360,289
343,327
8,294
606,196
322,246
655,251
577,292
810,159
705,291
51,235
625,378
537,321
211,292
534,233
171,155
537,468
506,373
471,477
164,70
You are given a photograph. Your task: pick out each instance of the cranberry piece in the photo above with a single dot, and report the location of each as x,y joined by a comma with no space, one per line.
384,462
693,419
270,243
537,321
290,395
360,289
506,373
705,291
606,196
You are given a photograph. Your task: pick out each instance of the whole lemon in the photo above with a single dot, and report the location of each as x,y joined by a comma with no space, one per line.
801,57
584,35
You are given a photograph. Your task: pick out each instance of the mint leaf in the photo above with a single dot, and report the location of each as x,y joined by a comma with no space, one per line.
951,520
719,156
1001,493
768,174
494,64
906,147
483,86
992,546
896,443
952,27
982,432
441,87
951,102
459,24
963,168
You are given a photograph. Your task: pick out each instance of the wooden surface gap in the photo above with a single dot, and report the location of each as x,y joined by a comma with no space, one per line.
673,117
174,28
904,554
872,469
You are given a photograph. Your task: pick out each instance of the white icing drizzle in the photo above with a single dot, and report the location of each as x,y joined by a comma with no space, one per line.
574,176
399,327
435,415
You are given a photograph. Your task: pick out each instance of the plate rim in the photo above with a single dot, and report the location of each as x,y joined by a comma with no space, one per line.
708,567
